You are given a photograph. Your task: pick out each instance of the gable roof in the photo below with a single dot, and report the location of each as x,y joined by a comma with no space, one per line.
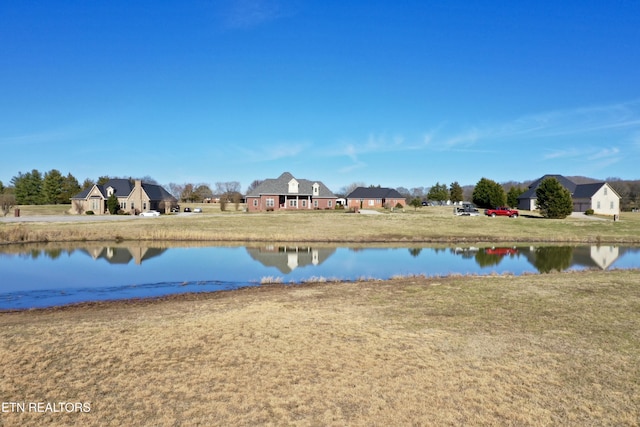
564,181
123,187
374,193
586,191
578,191
280,185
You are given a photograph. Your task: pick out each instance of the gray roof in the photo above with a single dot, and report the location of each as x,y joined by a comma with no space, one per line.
578,191
280,186
374,193
531,192
123,187
586,191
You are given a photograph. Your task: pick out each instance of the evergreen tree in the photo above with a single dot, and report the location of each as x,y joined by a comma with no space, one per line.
456,193
554,201
488,194
87,183
28,188
112,204
70,188
512,196
52,187
438,192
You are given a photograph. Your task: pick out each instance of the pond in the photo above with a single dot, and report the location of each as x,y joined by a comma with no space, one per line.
51,275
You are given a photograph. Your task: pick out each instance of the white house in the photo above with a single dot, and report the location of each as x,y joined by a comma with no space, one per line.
599,196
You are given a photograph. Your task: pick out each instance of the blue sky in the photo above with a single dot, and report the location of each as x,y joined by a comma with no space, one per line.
381,92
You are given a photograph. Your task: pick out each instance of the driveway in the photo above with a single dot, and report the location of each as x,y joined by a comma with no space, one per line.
581,215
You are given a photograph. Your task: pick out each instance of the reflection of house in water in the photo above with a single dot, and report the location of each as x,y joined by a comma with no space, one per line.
119,255
288,258
596,256
601,257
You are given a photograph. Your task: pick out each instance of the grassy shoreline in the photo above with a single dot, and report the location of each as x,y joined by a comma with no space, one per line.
427,225
549,349
554,349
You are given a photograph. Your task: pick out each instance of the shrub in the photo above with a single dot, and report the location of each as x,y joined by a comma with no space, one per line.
399,205
89,213
589,212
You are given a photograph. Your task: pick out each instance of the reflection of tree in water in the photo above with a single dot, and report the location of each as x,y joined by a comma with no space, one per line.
414,252
487,260
551,258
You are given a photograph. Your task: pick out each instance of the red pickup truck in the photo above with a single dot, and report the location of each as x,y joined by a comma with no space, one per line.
502,211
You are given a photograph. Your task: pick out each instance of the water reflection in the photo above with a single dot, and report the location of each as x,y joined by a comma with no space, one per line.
55,274
288,258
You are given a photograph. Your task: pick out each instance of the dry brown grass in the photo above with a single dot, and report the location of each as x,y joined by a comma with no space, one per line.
560,349
427,225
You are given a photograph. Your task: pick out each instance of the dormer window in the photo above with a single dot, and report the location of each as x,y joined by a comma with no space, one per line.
109,191
316,189
293,186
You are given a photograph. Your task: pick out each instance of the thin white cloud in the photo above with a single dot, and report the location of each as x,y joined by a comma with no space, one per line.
605,153
45,137
245,14
274,152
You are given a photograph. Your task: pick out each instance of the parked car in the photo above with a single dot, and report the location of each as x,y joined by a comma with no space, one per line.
502,211
197,210
501,251
150,213
466,209
187,209
175,209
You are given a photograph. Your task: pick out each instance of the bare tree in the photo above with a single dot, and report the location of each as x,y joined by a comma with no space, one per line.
78,205
253,185
347,189
226,191
176,189
7,201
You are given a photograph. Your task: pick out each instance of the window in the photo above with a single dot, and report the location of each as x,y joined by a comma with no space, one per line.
371,202
270,203
255,202
144,206
605,191
293,203
329,203
316,189
293,186
598,204
611,207
315,203
304,203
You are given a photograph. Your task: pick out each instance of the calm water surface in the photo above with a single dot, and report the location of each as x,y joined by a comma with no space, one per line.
42,276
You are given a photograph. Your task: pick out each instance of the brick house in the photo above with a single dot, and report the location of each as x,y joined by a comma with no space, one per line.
289,193
134,196
374,198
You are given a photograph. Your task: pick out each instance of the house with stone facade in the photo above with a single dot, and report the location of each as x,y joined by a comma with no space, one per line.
289,193
134,197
